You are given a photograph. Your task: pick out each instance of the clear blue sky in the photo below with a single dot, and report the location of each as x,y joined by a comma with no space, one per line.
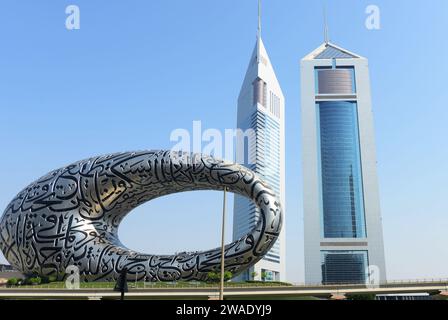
136,70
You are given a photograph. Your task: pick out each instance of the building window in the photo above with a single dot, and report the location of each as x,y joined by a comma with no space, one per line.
260,92
264,158
341,189
274,105
336,81
344,267
269,275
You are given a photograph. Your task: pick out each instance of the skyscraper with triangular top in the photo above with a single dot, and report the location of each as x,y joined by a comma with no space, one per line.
342,218
261,107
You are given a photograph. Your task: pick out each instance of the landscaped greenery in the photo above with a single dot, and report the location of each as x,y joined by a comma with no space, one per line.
216,277
213,281
268,297
34,281
149,285
31,280
264,274
273,283
13,282
365,296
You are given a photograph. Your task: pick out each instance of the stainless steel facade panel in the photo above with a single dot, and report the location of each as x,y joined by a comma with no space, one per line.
335,81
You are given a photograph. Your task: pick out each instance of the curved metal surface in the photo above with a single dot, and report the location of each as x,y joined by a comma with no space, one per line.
71,217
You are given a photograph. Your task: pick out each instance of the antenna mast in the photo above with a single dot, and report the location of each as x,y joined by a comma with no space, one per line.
259,32
326,33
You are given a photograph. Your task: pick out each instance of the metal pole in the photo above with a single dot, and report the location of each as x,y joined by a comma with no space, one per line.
221,289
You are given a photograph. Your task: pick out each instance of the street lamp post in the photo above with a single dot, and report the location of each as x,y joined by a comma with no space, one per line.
221,289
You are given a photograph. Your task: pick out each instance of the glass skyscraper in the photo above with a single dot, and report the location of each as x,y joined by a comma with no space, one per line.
261,110
343,229
340,170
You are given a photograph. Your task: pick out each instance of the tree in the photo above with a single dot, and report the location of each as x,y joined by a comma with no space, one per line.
48,279
227,276
212,277
12,282
34,281
216,277
264,275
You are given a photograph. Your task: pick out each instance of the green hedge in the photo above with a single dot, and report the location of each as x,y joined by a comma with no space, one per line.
366,296
13,281
286,284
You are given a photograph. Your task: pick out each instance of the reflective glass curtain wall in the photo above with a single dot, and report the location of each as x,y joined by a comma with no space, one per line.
344,267
267,155
340,170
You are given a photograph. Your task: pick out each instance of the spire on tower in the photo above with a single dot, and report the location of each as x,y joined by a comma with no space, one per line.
326,33
259,32
259,18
